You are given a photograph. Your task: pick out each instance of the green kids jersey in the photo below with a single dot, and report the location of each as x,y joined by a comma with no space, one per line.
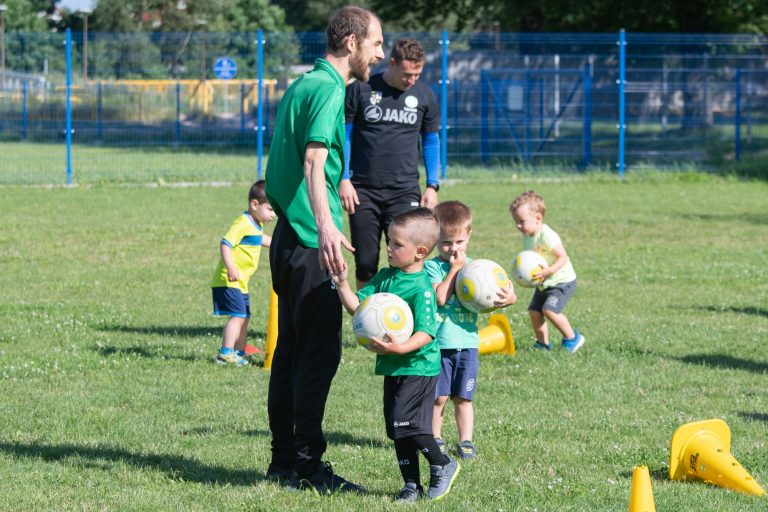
457,325
414,289
312,110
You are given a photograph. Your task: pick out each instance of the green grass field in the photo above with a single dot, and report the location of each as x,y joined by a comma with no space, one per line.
110,400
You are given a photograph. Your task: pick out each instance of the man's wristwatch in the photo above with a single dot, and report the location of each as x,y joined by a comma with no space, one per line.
434,186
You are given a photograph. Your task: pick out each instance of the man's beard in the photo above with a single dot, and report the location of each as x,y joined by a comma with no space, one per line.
359,68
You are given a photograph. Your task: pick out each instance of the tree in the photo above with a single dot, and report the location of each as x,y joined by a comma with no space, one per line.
714,16
24,16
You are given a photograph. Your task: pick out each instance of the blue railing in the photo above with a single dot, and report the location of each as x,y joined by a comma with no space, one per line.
543,100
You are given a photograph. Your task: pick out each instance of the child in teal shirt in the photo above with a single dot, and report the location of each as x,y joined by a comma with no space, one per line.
457,335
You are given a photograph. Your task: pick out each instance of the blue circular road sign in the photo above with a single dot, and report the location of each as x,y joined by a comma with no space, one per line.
225,68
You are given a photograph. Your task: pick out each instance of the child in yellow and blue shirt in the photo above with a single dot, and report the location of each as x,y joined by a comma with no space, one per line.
240,250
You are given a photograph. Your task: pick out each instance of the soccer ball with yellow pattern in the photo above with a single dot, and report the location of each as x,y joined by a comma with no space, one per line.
478,284
382,313
526,265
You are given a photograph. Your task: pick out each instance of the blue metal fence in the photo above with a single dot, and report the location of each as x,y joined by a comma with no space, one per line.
79,108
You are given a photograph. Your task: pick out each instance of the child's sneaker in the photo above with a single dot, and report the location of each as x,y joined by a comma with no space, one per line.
466,450
542,346
441,445
441,479
409,493
230,359
575,343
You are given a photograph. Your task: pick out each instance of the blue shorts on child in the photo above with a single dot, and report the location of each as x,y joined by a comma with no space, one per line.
458,373
231,302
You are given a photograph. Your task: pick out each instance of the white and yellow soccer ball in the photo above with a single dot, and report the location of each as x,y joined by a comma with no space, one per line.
382,313
526,265
478,284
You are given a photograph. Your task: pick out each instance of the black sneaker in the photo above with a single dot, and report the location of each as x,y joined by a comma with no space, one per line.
441,479
324,480
409,493
278,474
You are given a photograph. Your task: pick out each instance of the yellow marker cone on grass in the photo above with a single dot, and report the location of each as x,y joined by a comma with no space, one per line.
271,344
641,493
497,336
702,451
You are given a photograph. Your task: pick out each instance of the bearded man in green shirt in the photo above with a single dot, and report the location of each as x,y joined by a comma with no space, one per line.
303,175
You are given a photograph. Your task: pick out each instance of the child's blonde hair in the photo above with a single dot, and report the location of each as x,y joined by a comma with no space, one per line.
534,201
421,224
453,217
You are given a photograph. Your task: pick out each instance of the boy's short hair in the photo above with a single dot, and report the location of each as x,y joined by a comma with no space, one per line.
422,224
453,217
534,201
345,22
407,49
257,192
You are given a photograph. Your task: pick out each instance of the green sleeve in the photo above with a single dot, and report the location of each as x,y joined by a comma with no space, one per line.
324,109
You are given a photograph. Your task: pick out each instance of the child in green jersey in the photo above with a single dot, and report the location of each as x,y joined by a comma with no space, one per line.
411,368
240,249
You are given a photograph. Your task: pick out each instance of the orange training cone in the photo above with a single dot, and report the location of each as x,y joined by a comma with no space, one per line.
702,450
269,349
497,337
641,494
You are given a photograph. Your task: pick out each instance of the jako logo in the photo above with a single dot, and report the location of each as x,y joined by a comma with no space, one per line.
372,113
402,423
399,116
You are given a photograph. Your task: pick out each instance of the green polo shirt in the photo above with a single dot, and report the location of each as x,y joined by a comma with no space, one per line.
414,289
312,110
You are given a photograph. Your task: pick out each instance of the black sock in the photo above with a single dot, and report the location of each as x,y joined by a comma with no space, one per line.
407,459
427,445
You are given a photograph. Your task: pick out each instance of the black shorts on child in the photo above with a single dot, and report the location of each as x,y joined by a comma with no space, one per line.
408,403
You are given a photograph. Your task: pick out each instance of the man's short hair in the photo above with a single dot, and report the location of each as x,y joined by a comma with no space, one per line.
345,22
454,217
407,49
421,225
257,192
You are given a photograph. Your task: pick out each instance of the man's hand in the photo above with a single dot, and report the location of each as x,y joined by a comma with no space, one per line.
348,196
429,198
329,243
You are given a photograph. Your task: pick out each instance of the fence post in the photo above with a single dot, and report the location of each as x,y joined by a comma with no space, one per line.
260,109
622,81
737,120
178,113
24,110
444,106
484,99
99,114
242,110
455,113
587,127
68,133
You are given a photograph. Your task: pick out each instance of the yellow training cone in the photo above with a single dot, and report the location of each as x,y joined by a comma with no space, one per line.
271,343
497,337
641,494
702,450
